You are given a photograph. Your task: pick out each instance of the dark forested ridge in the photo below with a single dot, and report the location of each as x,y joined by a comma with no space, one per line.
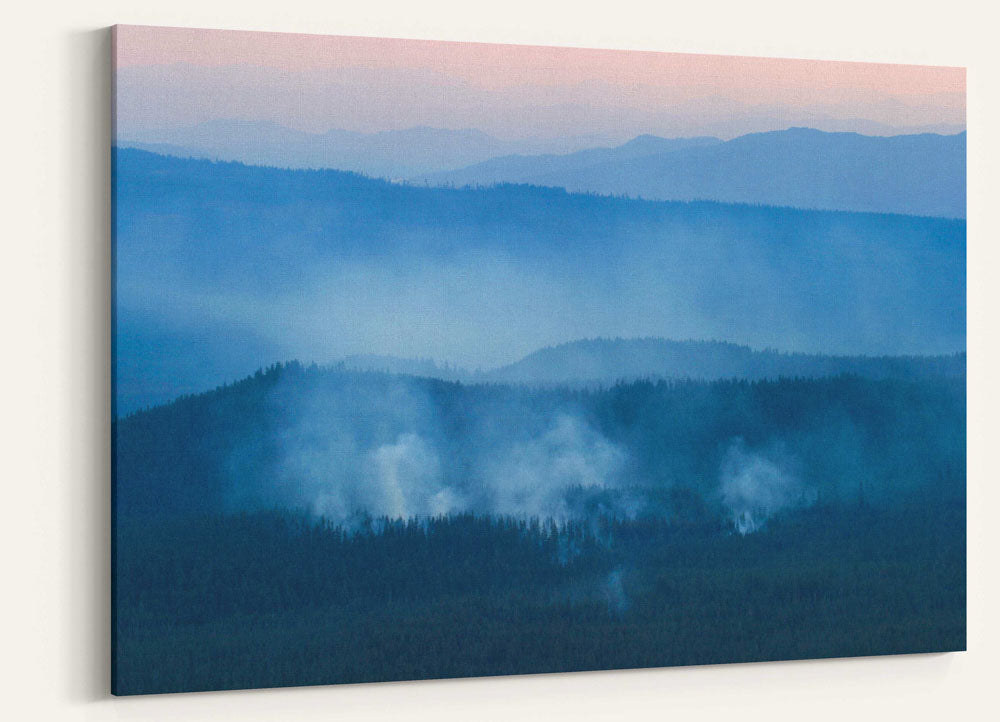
348,212
644,524
240,447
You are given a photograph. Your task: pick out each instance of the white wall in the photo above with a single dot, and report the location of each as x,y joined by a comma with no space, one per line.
54,296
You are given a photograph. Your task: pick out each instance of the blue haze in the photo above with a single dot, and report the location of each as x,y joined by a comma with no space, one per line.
222,268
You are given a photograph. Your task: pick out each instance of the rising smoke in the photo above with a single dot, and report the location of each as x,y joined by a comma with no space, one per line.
756,485
375,445
371,450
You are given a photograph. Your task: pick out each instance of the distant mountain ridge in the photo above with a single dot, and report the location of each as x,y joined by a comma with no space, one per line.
391,154
606,361
527,168
611,360
921,174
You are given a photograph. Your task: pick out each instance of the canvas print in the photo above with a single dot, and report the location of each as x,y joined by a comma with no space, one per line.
441,359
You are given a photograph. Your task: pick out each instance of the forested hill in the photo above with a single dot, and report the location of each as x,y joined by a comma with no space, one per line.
607,361
611,360
336,443
435,522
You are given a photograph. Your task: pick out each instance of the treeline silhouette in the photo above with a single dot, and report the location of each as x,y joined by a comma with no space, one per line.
607,360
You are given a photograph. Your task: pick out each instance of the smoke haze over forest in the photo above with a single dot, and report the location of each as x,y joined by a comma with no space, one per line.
321,266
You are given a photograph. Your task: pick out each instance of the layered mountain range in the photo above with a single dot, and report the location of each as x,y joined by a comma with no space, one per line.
918,174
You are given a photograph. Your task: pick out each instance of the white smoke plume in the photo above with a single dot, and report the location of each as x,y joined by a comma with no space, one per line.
532,478
381,450
755,485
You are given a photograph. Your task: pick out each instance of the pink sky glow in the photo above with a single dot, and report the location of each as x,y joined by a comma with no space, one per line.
708,90
495,65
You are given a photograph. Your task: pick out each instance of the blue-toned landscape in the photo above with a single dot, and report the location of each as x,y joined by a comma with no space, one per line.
404,402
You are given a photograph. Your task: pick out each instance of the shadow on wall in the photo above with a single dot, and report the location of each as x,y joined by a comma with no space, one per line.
87,78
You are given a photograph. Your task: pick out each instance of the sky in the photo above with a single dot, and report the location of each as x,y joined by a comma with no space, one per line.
169,78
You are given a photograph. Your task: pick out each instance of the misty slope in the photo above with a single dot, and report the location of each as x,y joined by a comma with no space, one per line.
221,268
385,154
611,360
526,168
800,167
